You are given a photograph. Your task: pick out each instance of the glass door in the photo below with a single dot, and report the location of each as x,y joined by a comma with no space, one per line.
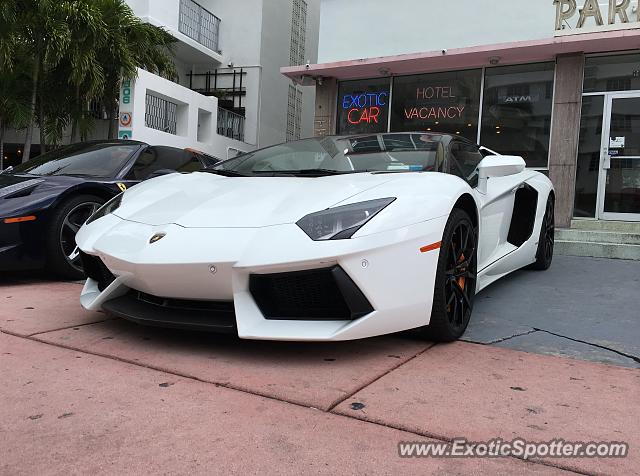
619,184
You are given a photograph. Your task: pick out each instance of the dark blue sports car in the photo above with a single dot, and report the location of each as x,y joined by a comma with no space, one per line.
45,201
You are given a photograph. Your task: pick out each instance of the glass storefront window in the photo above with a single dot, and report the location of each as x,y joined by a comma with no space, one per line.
516,111
363,106
439,102
612,73
588,163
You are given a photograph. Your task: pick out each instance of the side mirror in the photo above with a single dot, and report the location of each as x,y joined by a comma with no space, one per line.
498,166
159,172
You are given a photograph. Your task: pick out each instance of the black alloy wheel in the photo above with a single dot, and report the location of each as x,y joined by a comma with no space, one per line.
456,278
63,253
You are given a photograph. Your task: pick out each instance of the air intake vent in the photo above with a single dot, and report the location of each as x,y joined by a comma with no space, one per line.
320,294
95,269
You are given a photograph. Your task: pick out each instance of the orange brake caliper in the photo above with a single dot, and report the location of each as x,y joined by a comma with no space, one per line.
461,279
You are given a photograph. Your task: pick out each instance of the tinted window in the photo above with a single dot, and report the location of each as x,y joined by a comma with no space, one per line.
157,158
438,102
516,112
88,159
464,160
612,73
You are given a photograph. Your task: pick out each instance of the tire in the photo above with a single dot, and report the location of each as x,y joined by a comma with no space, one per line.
67,218
456,276
544,253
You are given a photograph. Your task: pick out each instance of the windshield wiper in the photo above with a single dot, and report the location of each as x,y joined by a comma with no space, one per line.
79,175
303,172
223,172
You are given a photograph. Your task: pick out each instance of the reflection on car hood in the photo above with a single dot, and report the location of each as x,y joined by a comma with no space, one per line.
208,200
10,184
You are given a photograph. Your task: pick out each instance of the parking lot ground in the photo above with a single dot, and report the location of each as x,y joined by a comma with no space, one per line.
85,394
586,308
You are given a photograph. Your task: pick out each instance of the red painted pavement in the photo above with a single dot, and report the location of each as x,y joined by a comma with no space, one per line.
311,374
27,309
65,412
482,392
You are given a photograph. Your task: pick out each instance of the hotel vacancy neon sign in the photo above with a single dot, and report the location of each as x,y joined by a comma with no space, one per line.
365,107
571,20
437,111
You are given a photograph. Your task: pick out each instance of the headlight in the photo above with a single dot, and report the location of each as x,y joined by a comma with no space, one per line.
109,207
342,222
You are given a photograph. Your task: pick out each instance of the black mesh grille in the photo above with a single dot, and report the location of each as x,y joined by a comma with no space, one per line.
320,294
95,269
217,316
186,304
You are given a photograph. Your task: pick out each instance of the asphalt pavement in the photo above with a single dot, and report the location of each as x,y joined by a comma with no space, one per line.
585,308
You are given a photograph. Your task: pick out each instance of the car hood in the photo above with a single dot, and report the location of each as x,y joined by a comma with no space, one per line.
9,183
205,200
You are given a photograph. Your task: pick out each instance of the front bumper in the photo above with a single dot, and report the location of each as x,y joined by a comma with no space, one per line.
21,246
220,265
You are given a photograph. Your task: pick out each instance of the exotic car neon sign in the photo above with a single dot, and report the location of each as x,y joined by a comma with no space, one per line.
365,107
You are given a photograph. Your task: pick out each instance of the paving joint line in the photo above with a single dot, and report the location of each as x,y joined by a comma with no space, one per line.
330,411
446,439
154,368
623,354
376,378
69,327
502,339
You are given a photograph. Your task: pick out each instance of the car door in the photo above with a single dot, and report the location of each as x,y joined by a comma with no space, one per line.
496,215
495,207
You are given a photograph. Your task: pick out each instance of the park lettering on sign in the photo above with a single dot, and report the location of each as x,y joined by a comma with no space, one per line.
620,15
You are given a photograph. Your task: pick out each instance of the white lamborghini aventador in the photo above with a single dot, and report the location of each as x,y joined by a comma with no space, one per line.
321,239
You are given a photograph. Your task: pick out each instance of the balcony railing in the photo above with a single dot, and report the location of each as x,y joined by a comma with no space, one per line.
199,24
161,114
230,124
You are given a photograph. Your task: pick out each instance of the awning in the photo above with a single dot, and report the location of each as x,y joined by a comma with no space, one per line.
473,57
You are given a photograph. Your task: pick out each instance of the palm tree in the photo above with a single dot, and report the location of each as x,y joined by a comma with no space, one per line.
132,44
41,30
76,51
14,108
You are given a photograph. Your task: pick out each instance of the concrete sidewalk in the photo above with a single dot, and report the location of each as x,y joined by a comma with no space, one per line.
84,394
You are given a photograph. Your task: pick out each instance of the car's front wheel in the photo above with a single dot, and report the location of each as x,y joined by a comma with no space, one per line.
456,276
63,257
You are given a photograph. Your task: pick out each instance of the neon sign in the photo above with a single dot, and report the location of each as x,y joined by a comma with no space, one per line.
433,112
365,107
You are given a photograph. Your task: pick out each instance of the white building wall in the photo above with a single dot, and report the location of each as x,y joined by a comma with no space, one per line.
240,29
166,14
197,117
368,28
276,40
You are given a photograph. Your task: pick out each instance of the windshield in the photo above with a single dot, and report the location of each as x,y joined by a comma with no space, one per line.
98,160
414,152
